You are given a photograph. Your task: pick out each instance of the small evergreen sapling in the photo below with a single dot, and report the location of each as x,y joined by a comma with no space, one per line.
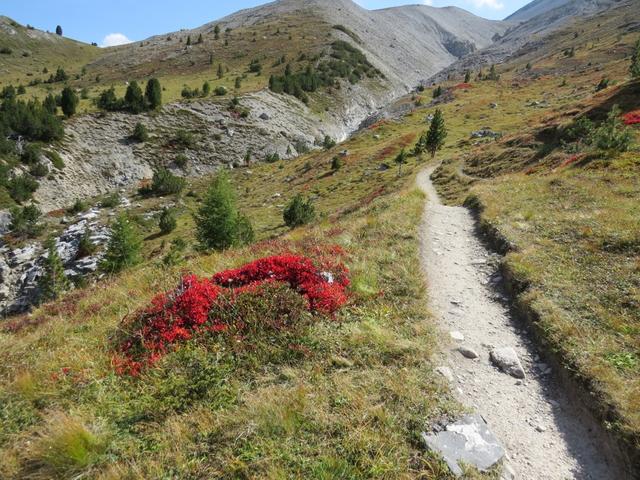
219,224
299,212
400,160
53,281
437,134
124,247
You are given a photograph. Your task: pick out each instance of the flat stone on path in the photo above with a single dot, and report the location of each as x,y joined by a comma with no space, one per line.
468,352
468,440
507,360
457,336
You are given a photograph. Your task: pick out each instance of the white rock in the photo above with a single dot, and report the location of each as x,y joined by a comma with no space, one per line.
457,336
507,360
468,352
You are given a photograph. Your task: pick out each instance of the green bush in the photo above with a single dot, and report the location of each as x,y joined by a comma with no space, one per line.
31,154
24,221
299,212
21,187
164,183
612,135
78,207
220,91
328,143
134,99
181,160
167,222
86,247
55,158
336,163
140,133
39,170
183,139
111,201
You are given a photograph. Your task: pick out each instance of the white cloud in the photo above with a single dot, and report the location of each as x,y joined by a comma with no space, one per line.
494,4
427,2
114,39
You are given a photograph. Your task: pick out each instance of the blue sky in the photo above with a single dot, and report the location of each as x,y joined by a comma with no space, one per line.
116,21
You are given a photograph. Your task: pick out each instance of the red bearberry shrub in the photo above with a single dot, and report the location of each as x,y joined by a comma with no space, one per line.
267,296
631,118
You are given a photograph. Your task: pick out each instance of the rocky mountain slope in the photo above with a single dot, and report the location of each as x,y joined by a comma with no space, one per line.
406,44
529,26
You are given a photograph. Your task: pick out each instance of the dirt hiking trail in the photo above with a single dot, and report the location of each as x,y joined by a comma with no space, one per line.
545,434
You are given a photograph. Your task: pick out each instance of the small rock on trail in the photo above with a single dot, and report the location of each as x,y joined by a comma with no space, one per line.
507,360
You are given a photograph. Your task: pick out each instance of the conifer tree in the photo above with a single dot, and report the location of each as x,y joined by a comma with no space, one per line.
133,98
206,89
68,101
123,249
216,32
153,93
220,71
299,212
634,68
200,40
400,160
219,225
467,76
167,221
436,134
188,40
53,281
59,30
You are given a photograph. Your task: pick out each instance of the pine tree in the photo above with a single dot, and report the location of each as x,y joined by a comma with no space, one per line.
59,30
216,31
437,92
68,101
219,225
220,71
53,281
167,221
238,83
634,68
133,98
467,76
299,212
436,134
200,40
123,249
50,104
400,160
188,40
206,89
153,93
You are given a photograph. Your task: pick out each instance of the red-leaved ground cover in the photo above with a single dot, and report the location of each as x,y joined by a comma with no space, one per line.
184,312
631,118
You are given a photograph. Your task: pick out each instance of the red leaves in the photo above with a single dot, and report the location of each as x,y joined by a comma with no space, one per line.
183,313
631,118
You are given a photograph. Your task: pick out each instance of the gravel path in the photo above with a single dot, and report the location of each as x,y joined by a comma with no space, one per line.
545,435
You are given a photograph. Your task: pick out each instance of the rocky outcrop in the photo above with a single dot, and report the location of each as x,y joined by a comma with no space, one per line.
21,268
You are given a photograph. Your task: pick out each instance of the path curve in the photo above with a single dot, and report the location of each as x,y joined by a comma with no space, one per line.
545,435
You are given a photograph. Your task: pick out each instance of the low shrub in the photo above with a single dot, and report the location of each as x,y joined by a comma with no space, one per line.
299,212
163,183
246,304
140,133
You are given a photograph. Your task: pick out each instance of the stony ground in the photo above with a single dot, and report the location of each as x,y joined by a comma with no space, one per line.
545,434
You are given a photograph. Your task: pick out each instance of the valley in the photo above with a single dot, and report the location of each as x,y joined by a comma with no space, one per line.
533,248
